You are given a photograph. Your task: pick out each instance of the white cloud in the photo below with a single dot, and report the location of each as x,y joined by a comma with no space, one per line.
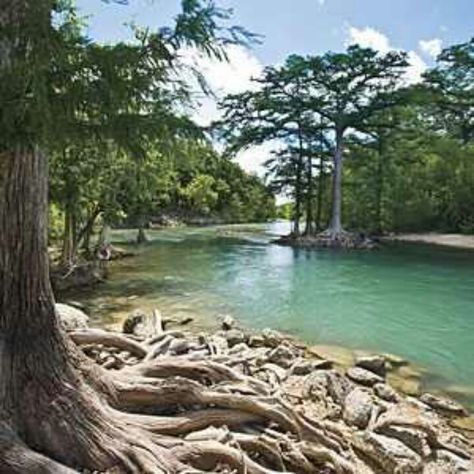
252,159
321,2
231,77
223,77
431,47
371,38
416,69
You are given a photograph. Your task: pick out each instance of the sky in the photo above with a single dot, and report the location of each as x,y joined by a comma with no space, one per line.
420,27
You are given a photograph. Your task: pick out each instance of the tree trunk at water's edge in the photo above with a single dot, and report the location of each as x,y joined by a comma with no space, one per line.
37,379
335,229
51,409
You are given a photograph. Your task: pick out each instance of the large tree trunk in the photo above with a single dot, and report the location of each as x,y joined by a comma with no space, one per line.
319,199
380,185
69,244
49,406
298,186
309,198
335,230
41,396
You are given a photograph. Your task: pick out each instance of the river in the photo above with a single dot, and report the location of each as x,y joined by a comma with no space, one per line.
416,301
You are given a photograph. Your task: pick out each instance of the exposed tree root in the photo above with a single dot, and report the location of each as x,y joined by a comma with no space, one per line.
229,413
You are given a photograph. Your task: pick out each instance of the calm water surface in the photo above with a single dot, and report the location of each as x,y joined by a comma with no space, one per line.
412,300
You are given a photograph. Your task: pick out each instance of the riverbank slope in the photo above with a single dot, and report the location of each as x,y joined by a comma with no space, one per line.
447,240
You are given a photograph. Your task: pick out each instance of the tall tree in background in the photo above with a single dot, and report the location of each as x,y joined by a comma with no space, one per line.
274,112
346,89
451,91
52,409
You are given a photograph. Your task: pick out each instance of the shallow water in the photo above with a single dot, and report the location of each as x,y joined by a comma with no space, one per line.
416,301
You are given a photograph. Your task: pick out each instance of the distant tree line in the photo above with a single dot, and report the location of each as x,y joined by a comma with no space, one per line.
355,144
123,148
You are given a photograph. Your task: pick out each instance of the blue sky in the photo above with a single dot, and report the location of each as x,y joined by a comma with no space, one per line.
421,27
306,26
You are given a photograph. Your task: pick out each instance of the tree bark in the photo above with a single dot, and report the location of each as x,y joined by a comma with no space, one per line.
34,365
309,198
319,204
297,211
68,250
335,228
380,184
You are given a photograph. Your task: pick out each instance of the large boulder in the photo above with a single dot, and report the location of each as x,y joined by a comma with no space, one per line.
358,407
389,453
71,318
415,439
321,384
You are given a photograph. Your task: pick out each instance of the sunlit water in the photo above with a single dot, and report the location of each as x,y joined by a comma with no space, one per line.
412,300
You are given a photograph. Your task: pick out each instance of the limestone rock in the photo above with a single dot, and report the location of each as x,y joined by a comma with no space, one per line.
443,404
234,337
142,324
228,322
239,348
453,463
389,453
272,338
374,363
338,386
416,440
358,407
305,367
71,318
256,341
363,376
178,346
394,361
218,344
282,356
385,392
315,386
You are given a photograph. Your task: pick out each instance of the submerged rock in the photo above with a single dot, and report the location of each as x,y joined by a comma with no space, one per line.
374,363
443,404
305,367
363,376
394,361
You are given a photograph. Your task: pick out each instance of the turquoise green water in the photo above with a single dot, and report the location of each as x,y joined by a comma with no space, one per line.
411,300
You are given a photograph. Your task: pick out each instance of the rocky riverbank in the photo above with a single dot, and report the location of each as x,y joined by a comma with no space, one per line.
281,404
346,241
